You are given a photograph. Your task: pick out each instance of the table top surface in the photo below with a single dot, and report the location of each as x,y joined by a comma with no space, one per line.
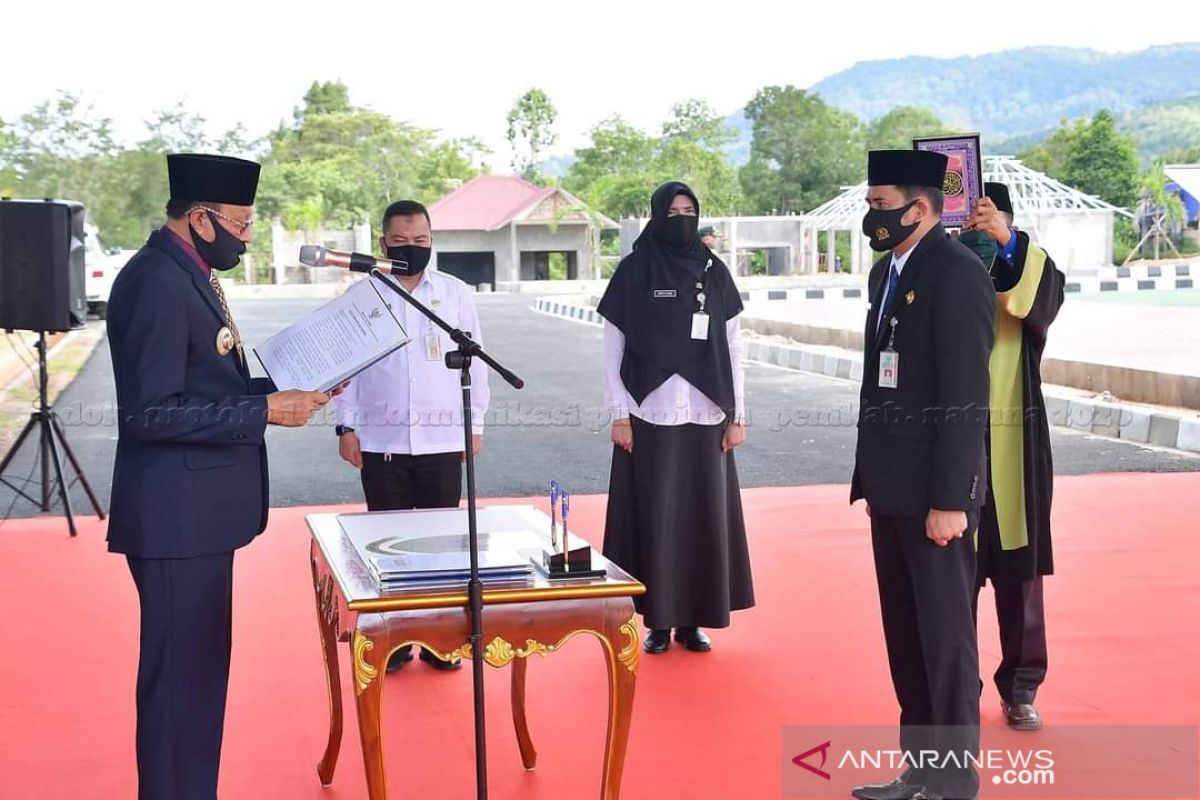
500,527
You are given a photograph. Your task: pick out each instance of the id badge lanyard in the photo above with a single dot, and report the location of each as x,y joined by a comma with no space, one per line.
700,318
889,360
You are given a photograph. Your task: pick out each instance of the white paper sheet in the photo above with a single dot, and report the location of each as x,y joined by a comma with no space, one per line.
334,343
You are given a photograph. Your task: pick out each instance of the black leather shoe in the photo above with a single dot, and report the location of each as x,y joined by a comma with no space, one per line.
896,790
693,639
1022,716
399,659
437,663
658,640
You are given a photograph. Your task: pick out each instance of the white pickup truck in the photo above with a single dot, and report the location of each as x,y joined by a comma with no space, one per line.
101,267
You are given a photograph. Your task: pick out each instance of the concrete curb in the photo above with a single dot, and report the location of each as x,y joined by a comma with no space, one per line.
1155,282
810,293
1148,271
566,309
1064,409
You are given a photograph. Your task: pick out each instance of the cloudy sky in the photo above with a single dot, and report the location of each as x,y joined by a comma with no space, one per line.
458,66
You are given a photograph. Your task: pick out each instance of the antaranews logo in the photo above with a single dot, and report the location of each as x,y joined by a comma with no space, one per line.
802,760
1066,761
865,762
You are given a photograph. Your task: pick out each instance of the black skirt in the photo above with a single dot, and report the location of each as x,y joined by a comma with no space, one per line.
675,523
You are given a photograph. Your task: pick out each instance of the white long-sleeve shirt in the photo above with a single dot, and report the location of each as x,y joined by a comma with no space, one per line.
410,402
675,402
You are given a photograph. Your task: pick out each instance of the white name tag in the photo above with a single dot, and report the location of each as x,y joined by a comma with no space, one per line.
433,346
889,369
700,326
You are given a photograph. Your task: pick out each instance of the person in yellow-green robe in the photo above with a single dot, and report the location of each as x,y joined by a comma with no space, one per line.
1014,549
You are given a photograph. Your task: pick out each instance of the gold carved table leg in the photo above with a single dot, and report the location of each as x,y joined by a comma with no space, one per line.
369,660
327,622
622,648
520,722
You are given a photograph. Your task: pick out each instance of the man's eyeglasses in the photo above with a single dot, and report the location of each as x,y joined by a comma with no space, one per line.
240,226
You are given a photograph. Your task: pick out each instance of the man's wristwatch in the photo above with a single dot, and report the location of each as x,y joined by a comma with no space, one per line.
340,429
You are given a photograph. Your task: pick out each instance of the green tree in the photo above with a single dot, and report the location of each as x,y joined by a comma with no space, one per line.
617,149
8,172
334,164
705,171
340,163
330,97
1050,156
175,130
690,151
1104,163
58,150
896,129
352,162
619,170
531,131
802,151
621,196
447,165
695,121
1091,156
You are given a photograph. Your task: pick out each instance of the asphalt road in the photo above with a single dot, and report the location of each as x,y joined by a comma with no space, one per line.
800,428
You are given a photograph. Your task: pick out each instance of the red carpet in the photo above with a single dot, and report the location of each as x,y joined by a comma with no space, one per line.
1123,617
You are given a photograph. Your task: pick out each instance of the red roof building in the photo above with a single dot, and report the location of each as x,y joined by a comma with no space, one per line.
496,229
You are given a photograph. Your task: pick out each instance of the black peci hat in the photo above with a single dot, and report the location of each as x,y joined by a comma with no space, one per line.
212,179
906,168
998,194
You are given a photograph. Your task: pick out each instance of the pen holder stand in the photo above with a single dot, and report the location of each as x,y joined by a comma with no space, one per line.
574,564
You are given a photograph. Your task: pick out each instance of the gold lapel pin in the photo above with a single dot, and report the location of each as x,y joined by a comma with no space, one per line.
908,298
225,341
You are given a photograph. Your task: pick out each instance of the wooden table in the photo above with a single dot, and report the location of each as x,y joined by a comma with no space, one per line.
518,621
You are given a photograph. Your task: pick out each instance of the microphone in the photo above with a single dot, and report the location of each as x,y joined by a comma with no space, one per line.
314,255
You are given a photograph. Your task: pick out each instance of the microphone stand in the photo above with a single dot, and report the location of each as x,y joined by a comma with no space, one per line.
460,359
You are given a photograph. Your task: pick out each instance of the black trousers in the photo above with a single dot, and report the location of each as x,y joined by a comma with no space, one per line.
925,593
183,673
1021,614
401,482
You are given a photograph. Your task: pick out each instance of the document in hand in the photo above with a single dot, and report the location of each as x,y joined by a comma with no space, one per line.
334,343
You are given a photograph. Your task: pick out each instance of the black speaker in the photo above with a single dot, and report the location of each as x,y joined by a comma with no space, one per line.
41,265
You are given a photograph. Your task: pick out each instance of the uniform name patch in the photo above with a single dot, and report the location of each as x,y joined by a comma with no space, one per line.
665,293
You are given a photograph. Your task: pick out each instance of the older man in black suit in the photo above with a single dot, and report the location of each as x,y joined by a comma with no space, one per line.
190,480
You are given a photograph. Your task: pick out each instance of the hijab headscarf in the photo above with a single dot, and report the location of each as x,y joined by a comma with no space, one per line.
653,296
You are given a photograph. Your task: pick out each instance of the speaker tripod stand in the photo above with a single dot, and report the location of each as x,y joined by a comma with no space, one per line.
50,437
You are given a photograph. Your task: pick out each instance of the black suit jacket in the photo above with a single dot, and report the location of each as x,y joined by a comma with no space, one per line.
190,477
921,445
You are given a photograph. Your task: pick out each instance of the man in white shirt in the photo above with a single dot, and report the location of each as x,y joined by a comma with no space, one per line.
400,421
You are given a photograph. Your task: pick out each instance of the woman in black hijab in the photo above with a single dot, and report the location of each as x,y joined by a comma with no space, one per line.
673,383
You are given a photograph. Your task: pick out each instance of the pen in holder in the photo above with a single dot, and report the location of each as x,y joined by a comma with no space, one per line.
570,563
566,510
555,489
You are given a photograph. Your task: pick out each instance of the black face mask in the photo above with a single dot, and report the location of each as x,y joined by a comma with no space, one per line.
414,255
223,252
882,226
679,230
